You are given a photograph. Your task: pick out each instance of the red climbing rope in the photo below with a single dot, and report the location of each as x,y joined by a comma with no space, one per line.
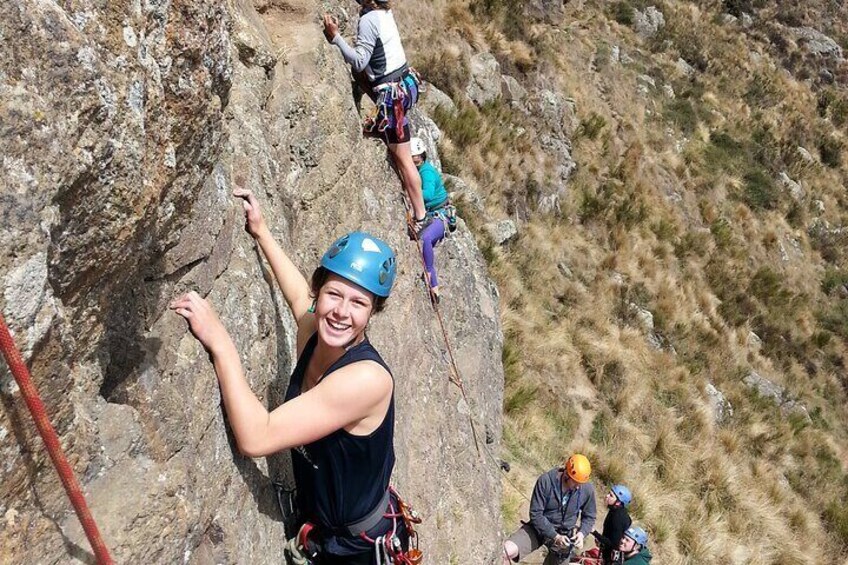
51,440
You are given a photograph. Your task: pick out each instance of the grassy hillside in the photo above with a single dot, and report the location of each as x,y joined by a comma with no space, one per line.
687,144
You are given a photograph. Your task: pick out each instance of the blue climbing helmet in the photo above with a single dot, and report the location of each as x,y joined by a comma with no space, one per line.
638,535
622,493
363,259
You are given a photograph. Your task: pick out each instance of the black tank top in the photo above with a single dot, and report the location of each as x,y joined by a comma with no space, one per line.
342,477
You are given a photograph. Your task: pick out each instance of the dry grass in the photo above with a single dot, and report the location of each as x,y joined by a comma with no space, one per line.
676,208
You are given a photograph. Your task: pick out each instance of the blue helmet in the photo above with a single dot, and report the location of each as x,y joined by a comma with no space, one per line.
362,259
622,493
638,535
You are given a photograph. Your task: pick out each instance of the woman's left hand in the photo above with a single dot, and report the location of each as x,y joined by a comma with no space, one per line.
202,320
331,27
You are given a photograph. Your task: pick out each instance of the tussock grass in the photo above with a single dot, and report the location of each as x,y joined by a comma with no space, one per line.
675,207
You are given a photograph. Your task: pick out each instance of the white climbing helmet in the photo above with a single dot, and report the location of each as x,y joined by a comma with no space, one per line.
416,146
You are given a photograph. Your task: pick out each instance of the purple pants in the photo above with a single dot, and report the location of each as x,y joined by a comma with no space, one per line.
430,236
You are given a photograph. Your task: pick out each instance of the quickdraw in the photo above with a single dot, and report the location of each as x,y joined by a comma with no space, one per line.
388,548
394,100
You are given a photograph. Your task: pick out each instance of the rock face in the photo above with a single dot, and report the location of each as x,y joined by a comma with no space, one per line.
123,129
485,82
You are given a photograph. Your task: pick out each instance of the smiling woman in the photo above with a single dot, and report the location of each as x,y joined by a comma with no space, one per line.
338,415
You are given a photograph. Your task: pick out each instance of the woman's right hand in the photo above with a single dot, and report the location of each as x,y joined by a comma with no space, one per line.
255,223
202,320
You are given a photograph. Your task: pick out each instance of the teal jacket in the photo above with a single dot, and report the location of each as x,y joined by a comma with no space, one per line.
432,187
642,558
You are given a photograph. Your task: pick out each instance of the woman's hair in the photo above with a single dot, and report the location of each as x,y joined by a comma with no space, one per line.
320,276
374,5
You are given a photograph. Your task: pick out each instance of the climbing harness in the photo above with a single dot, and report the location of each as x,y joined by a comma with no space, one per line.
51,441
447,214
393,100
303,549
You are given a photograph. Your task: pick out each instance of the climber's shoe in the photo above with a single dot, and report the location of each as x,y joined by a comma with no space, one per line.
415,227
435,296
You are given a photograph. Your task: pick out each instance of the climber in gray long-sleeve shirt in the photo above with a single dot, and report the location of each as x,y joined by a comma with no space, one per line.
379,52
562,497
378,55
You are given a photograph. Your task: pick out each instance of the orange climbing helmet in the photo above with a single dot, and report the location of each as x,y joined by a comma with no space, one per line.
578,468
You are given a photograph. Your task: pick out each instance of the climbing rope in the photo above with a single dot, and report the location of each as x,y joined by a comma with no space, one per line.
51,440
454,375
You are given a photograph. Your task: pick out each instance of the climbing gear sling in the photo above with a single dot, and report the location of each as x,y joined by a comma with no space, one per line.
287,501
51,441
393,100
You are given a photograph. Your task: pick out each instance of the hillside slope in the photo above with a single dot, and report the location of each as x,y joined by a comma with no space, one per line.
123,129
675,299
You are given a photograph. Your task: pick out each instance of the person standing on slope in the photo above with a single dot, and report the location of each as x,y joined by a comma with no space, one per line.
633,548
562,497
339,413
440,214
378,60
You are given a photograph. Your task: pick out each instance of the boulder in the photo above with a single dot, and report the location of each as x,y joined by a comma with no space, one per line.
558,112
684,67
649,22
777,395
794,188
548,11
644,84
805,155
643,316
721,408
512,91
817,43
502,232
764,387
485,79
434,98
560,150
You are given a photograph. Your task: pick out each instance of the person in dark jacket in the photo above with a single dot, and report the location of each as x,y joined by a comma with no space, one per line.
617,521
633,548
562,513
